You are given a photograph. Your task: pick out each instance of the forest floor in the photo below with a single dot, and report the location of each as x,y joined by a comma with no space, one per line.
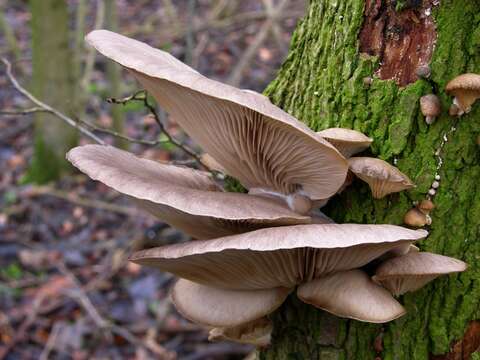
67,289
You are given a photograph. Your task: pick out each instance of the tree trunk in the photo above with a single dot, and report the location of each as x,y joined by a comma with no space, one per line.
53,83
352,64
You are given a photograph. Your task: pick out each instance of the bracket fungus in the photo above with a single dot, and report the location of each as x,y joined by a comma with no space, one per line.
256,248
348,142
412,271
382,177
466,89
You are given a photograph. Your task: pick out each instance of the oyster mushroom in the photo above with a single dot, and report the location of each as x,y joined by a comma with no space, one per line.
431,107
347,141
412,271
184,198
466,89
253,140
382,177
351,294
270,260
416,218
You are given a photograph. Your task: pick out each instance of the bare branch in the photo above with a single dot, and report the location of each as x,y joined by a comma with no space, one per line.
46,107
22,111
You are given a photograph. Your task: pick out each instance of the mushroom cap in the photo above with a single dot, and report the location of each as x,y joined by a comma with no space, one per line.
225,308
347,141
412,271
466,89
416,218
430,105
257,332
211,163
277,257
353,295
426,206
253,140
185,198
382,177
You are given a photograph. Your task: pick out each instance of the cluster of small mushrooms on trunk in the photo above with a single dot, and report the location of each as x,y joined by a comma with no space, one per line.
253,249
466,90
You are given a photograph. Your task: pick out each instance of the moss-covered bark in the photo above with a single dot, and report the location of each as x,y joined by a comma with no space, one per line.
53,83
321,83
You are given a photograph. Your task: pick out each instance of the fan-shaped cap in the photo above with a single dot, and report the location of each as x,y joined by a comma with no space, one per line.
353,295
277,257
347,141
466,89
382,177
412,271
257,332
225,308
185,198
255,141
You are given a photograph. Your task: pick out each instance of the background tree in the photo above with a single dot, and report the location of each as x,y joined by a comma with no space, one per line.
353,64
53,83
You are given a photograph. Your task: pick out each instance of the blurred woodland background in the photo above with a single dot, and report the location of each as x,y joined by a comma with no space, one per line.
66,288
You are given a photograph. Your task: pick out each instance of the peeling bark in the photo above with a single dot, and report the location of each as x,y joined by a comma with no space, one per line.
403,40
464,348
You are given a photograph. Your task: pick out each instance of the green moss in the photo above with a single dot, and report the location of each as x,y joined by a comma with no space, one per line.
321,83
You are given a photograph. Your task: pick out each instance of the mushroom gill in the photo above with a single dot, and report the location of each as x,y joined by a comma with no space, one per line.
347,141
184,198
382,177
466,89
253,140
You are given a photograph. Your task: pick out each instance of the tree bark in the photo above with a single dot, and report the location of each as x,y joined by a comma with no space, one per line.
352,64
53,83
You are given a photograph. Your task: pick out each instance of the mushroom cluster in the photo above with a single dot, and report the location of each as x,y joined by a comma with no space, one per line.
252,250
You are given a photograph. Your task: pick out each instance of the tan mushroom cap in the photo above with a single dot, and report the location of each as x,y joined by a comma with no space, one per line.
466,89
347,141
253,140
277,257
257,332
412,271
211,163
382,177
224,308
431,107
185,198
353,295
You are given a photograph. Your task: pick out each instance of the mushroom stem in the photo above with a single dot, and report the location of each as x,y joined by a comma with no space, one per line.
298,202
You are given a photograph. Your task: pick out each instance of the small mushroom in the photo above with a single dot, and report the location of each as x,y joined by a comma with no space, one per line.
382,177
412,271
416,218
185,198
347,141
351,294
257,332
431,107
466,89
211,163
426,206
423,71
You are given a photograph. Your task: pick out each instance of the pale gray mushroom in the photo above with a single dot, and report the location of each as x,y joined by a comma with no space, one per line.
253,140
431,107
347,141
184,198
414,270
353,295
382,177
277,257
466,89
257,332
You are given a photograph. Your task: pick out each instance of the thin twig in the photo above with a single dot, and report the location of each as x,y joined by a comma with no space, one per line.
23,111
52,338
46,107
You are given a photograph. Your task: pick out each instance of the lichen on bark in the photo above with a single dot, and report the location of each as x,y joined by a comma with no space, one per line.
321,83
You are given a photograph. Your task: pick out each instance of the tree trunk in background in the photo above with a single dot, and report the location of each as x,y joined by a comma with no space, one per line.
113,74
322,83
53,83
